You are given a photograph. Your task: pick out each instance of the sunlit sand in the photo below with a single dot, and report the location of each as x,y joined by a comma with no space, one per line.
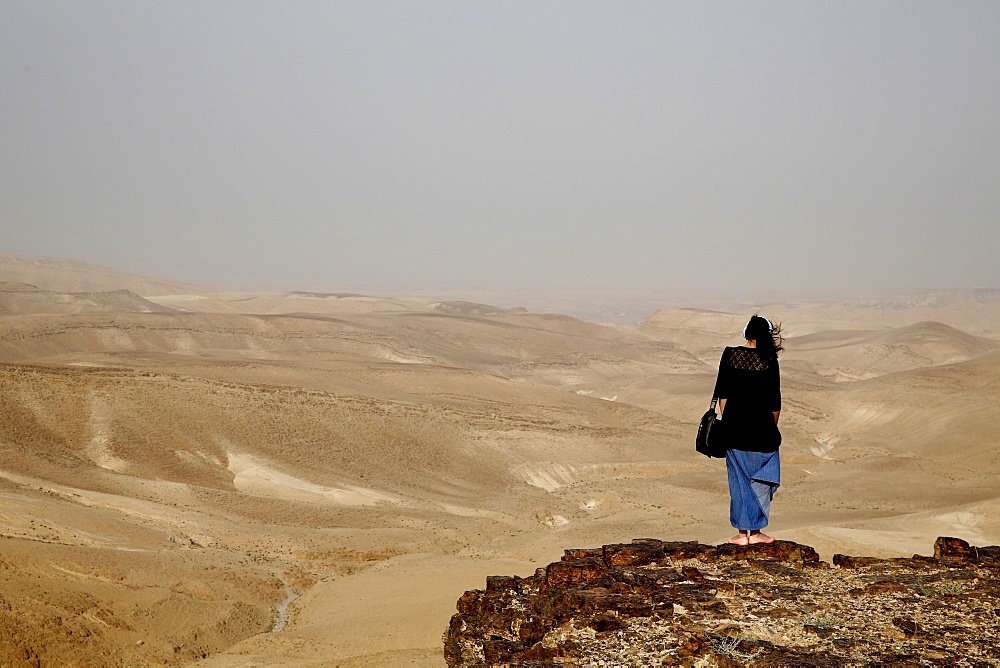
314,479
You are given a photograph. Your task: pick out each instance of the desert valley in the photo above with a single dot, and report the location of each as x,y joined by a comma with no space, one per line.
309,478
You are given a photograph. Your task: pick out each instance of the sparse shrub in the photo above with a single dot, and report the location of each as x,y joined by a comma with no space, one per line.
738,647
949,588
821,621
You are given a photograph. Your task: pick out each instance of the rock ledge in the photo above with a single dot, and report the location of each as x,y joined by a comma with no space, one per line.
653,602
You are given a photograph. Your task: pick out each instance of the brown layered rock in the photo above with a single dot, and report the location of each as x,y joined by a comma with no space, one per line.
653,602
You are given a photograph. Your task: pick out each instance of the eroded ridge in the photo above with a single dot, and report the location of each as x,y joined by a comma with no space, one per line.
653,602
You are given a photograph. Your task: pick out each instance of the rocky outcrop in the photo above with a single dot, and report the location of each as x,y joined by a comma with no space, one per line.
652,602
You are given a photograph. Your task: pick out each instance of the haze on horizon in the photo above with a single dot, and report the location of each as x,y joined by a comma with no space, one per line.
826,148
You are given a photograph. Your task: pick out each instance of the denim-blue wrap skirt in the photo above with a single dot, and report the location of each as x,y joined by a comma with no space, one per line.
753,477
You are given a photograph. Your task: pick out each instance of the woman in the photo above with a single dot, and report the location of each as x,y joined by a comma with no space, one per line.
749,392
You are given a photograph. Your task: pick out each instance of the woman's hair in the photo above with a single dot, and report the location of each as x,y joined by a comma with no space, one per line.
767,336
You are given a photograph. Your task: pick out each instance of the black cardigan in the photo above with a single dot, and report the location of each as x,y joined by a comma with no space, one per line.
751,386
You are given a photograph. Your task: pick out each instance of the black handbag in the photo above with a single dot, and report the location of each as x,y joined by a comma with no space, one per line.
709,439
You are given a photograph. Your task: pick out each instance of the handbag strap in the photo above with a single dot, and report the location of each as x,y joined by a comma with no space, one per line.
715,400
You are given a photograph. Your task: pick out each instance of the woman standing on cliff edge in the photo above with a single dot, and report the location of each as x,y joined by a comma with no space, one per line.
749,392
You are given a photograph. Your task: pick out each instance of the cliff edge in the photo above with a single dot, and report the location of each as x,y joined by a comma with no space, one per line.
653,602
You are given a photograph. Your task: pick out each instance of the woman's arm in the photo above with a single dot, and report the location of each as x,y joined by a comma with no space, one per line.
775,398
721,390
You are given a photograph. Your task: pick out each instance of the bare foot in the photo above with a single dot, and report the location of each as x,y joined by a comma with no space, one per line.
740,539
758,537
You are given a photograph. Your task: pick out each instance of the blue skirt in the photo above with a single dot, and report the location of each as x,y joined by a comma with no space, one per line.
753,477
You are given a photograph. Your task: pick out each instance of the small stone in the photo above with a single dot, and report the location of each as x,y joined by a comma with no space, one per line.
571,573
952,548
909,627
634,554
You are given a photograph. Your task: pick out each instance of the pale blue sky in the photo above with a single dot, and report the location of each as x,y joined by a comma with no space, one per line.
828,148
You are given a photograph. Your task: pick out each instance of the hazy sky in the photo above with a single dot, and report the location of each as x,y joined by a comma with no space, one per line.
805,146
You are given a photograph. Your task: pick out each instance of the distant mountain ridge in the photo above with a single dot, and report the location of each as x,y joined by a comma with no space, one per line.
24,299
929,298
73,276
975,310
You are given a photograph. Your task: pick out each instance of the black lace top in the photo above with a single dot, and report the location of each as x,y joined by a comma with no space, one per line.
751,386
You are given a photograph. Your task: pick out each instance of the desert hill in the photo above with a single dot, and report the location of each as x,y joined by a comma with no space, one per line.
22,299
67,275
973,310
316,477
855,355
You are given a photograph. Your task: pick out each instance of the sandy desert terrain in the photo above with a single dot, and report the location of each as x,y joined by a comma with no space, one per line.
315,478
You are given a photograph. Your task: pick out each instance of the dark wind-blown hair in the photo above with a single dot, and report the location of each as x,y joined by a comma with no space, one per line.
768,338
